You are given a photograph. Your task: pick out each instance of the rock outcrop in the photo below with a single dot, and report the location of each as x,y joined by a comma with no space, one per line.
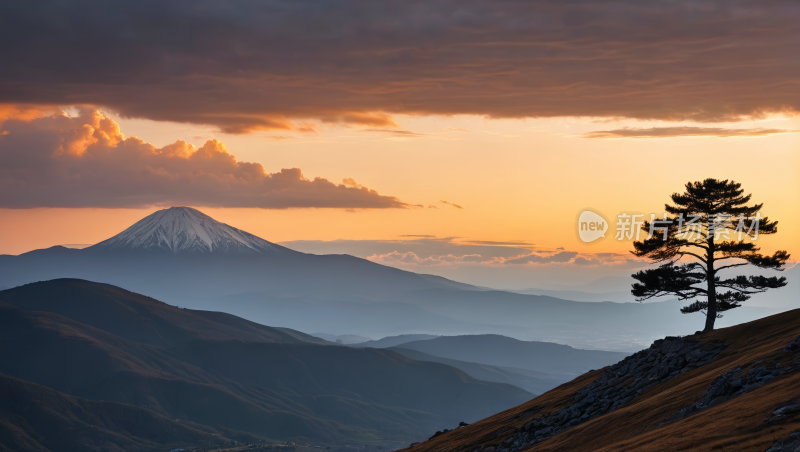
736,382
793,346
790,444
617,386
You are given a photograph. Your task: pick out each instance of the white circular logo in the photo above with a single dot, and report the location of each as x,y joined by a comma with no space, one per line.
591,226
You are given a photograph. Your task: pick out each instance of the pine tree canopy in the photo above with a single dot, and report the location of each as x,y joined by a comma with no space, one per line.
710,227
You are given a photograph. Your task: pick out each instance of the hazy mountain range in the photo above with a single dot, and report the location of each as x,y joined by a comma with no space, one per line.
188,259
392,341
504,351
478,354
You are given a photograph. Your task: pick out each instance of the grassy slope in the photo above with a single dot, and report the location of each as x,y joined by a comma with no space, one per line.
737,425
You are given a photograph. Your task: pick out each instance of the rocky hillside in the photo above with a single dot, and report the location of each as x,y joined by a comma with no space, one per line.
733,389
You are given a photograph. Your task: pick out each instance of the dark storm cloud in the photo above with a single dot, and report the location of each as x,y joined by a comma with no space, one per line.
85,161
272,64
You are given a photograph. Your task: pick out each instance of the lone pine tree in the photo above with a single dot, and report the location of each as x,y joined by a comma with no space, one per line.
706,228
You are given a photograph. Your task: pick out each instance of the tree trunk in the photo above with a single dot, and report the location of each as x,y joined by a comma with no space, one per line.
711,315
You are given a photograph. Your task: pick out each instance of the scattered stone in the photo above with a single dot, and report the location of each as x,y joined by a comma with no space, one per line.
617,386
790,444
786,410
793,346
730,385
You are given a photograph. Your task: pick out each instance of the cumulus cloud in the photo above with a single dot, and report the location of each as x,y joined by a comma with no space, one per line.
670,132
86,161
421,245
273,65
351,182
411,258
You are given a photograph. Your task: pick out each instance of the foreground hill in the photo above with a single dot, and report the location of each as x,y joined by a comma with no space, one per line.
226,374
497,350
734,389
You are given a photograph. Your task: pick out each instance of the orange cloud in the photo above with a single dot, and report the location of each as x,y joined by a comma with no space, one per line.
451,204
351,182
25,112
671,132
85,161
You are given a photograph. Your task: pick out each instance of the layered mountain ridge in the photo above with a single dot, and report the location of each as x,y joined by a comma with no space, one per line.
212,372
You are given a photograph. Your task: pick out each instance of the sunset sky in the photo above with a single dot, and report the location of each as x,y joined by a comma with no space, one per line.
425,135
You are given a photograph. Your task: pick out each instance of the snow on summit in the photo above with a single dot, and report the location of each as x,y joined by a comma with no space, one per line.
183,229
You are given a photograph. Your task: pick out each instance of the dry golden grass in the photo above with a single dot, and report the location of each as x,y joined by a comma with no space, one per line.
737,425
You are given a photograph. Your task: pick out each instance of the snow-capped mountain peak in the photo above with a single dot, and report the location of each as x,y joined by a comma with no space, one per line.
183,229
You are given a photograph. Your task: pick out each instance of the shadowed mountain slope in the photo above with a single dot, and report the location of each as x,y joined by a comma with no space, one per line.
226,373
737,389
140,318
36,418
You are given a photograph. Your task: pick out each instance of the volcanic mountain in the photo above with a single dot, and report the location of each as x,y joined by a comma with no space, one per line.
180,254
186,230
